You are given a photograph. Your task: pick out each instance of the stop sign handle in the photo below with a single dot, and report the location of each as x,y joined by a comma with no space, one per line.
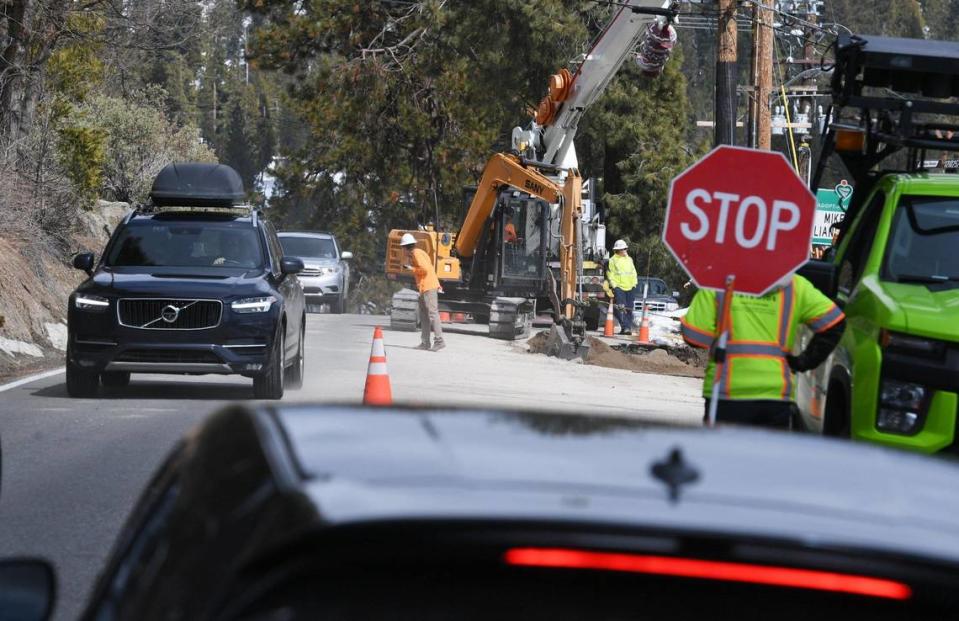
719,350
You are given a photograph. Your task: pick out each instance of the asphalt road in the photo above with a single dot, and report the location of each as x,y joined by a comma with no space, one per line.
73,468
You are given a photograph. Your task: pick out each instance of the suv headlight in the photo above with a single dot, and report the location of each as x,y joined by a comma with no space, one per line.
253,305
87,302
671,306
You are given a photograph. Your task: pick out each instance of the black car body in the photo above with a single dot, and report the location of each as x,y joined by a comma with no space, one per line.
361,513
192,287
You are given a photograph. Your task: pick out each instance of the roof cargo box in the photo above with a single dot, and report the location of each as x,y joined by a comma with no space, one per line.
192,184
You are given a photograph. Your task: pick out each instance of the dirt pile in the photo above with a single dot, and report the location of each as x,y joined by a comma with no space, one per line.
538,342
658,361
683,362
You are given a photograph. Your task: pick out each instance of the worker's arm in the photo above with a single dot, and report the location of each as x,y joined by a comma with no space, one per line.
699,324
823,317
818,349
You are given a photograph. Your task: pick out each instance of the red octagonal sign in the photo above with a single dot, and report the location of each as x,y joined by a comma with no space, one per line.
740,212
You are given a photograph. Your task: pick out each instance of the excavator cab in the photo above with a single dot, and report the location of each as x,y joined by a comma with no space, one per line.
522,237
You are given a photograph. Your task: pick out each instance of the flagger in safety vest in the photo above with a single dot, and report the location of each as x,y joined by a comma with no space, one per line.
756,385
621,275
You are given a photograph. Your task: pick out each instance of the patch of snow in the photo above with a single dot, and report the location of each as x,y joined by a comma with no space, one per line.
57,333
12,348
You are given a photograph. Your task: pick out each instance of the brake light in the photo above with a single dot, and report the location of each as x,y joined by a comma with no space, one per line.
561,558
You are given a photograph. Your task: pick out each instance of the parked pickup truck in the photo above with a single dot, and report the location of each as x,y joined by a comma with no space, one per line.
894,378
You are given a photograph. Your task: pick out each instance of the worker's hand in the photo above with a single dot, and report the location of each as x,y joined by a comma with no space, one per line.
795,364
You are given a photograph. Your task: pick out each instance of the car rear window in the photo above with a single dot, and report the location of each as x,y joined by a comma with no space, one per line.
179,243
312,247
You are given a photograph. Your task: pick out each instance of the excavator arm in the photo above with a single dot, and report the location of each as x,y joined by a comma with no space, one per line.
501,170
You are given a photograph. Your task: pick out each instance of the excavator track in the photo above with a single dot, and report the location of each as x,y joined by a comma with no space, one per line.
404,311
510,318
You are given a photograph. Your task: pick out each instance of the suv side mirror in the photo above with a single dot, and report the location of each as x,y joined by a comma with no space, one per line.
822,274
676,294
291,265
27,589
346,256
84,261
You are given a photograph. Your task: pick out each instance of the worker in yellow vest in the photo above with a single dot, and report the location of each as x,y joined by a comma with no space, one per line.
756,382
621,274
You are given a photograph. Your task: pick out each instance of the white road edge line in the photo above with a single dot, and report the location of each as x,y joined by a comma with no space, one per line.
31,378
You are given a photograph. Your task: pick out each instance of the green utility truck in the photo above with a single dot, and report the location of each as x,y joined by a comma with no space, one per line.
894,378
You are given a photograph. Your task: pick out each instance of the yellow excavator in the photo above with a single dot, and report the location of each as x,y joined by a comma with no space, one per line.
522,245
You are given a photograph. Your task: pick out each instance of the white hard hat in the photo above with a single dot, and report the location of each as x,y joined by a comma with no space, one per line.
620,245
407,240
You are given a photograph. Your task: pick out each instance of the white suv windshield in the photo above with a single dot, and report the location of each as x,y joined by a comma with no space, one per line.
161,243
312,247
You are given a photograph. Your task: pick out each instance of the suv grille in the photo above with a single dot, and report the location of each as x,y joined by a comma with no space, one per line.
169,355
311,271
169,313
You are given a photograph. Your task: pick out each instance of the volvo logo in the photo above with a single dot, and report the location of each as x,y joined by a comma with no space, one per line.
169,313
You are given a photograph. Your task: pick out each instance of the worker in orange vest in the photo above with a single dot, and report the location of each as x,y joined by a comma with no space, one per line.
428,285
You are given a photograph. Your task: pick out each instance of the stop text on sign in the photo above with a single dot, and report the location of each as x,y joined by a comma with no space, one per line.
753,219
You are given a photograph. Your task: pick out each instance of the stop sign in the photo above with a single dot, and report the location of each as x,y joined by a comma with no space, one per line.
739,212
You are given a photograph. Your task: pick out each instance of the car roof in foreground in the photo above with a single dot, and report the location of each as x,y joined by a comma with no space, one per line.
361,464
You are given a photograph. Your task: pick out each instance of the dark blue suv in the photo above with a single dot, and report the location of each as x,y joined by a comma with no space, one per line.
193,283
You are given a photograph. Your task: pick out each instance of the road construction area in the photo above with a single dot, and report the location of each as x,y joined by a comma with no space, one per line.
73,468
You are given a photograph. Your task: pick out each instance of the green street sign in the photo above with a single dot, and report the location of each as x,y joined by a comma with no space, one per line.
831,205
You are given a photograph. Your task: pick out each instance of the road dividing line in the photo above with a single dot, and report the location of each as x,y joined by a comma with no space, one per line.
30,378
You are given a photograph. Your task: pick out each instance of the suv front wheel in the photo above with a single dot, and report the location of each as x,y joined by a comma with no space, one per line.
269,385
81,383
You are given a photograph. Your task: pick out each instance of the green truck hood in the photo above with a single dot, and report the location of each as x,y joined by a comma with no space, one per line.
923,311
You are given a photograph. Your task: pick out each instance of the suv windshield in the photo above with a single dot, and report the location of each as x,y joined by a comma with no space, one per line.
656,287
178,243
314,247
925,235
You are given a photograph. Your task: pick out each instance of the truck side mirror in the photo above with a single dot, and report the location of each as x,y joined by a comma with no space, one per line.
676,294
346,255
822,274
84,261
27,589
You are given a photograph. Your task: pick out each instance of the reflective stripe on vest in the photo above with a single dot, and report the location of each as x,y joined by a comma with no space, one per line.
824,322
746,349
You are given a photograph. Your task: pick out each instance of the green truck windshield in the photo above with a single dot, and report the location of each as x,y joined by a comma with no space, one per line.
924,241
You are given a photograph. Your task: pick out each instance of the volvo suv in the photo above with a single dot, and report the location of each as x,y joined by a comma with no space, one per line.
326,272
193,283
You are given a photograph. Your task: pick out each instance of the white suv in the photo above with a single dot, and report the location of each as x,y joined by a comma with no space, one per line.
326,272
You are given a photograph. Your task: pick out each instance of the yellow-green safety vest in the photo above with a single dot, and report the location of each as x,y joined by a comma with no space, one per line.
621,273
762,333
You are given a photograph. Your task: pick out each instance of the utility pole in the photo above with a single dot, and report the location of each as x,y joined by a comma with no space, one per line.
726,74
763,44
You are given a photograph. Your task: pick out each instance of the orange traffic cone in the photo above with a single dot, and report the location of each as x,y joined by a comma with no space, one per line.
608,330
644,329
377,391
